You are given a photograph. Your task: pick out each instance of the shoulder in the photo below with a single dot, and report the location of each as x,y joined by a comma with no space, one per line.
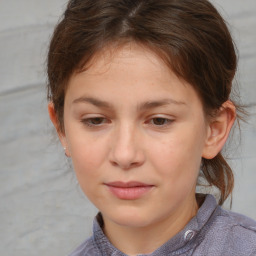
241,220
238,222
242,227
224,232
87,248
237,232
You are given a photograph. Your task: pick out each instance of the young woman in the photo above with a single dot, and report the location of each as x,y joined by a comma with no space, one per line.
139,93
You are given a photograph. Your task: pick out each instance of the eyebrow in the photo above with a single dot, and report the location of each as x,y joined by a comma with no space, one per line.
159,103
93,101
143,106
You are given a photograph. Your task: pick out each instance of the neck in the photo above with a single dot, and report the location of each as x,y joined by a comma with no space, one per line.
146,239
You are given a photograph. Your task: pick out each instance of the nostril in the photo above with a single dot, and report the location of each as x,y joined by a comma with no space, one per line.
126,166
114,163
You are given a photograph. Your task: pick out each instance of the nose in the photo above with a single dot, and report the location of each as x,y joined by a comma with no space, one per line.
126,149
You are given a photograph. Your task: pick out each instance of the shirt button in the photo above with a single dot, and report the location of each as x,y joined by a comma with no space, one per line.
189,235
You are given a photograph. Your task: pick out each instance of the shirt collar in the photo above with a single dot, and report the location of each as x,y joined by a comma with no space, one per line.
182,242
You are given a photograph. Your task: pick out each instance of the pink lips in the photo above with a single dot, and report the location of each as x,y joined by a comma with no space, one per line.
128,190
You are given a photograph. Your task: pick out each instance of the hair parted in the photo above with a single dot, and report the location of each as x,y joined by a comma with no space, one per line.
190,36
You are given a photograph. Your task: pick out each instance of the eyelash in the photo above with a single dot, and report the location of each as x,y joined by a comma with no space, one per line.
165,121
90,122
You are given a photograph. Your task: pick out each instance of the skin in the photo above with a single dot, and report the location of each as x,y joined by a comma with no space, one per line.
128,117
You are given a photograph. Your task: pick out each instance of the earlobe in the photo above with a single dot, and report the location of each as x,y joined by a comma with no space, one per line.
218,130
54,119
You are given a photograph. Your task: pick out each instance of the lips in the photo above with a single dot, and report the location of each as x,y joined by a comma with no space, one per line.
129,190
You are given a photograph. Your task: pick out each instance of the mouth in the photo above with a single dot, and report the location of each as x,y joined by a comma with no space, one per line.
129,190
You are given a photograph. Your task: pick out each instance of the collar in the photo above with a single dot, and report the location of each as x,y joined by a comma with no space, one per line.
186,240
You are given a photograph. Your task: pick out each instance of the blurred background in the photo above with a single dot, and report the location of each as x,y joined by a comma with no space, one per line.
42,210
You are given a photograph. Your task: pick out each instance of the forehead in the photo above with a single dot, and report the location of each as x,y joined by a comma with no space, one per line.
131,70
124,54
129,60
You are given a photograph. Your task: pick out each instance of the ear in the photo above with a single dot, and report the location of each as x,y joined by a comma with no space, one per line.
219,128
61,134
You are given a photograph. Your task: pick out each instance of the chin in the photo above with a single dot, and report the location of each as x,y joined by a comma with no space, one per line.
130,218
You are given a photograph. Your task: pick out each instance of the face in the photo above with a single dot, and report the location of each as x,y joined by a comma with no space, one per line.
136,134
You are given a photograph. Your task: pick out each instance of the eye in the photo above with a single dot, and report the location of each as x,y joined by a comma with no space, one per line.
160,121
94,121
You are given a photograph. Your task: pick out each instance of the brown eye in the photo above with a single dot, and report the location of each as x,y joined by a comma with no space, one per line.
160,121
96,120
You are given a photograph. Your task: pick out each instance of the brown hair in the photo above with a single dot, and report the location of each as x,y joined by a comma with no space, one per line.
191,37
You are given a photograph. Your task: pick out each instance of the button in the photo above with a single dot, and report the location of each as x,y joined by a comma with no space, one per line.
189,235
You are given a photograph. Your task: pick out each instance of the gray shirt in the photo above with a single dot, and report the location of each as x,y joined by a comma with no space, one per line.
212,232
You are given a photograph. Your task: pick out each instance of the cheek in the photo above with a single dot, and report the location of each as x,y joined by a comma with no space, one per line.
178,156
87,155
87,161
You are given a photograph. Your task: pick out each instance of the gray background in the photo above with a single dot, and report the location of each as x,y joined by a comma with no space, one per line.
42,210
